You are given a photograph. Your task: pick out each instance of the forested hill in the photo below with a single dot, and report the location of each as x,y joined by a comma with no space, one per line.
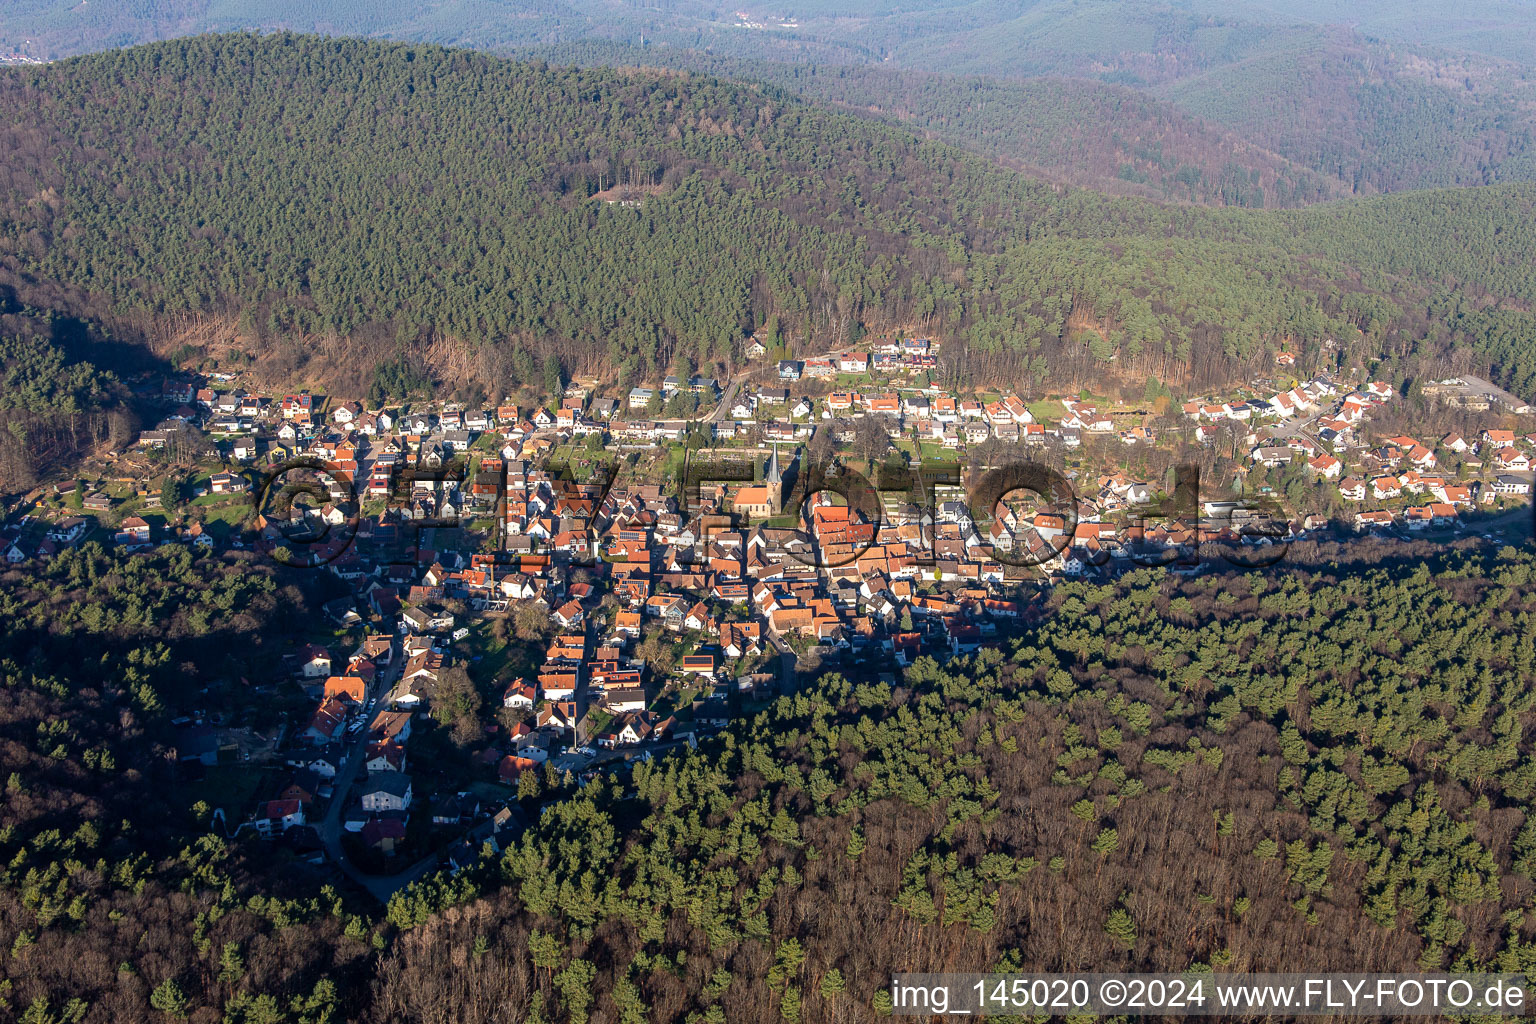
1392,95
56,402
1326,769
1108,137
314,185
1383,115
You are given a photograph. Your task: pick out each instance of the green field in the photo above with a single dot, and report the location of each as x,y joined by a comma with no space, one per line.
231,787
1046,410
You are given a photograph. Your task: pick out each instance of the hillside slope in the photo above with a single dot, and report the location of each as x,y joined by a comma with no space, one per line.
314,185
1380,116
56,402
1081,132
54,29
1321,770
1384,97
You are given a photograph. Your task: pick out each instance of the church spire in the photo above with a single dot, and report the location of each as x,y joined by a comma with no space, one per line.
773,475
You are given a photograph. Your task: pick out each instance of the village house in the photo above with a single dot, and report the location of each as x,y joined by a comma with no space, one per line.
1512,460
1377,518
1326,466
68,530
304,785
560,685
278,816
562,716
619,700
698,664
349,688
1386,487
1271,456
133,532
456,809
520,696
325,724
384,834
314,662
1511,485
385,756
386,791
226,483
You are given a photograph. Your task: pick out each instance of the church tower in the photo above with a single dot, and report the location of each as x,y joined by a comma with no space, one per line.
773,479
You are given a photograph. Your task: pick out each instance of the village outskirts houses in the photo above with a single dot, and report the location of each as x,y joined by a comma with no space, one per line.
733,593
385,791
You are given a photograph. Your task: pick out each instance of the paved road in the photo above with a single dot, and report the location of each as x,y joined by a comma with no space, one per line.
726,401
768,372
381,886
1301,428
1510,521
618,754
789,680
